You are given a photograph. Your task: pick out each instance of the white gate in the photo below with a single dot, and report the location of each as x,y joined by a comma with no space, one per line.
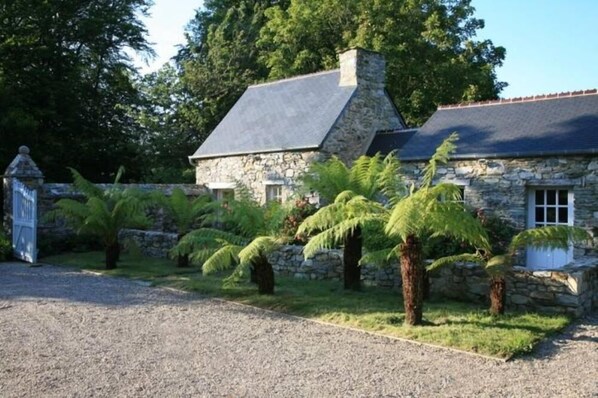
24,222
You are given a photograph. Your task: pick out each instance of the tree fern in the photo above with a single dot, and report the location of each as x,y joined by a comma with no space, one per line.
441,156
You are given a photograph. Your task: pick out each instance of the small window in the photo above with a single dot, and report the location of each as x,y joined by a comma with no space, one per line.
224,194
274,193
461,194
551,207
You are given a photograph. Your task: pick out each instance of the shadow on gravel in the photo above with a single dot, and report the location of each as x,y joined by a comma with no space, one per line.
19,281
576,332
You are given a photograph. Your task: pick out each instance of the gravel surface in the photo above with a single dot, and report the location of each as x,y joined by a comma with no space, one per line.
71,334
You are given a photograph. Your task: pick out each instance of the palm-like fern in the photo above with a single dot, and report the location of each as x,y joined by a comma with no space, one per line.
429,211
549,237
350,193
104,212
254,234
184,212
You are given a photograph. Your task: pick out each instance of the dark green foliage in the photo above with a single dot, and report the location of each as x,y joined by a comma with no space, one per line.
296,215
5,247
65,80
500,232
103,213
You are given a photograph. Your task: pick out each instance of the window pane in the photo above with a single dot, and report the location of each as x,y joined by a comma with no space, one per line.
551,215
539,214
540,197
551,197
563,215
563,200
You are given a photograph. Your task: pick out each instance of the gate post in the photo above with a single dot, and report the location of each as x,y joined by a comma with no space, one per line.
25,170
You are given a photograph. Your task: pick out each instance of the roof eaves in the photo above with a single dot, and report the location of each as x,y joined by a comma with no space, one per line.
272,150
471,156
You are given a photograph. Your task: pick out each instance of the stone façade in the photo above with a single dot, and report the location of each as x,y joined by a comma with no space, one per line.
501,186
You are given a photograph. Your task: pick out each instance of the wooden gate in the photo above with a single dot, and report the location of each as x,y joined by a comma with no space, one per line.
24,222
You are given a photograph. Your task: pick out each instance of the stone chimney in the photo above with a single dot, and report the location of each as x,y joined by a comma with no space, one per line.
361,67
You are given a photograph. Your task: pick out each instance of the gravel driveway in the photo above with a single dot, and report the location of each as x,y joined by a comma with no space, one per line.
66,333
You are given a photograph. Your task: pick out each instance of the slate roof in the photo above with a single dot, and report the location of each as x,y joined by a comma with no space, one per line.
556,124
290,114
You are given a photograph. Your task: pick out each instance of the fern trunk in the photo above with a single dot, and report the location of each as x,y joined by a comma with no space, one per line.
412,274
498,290
112,254
351,257
182,260
264,275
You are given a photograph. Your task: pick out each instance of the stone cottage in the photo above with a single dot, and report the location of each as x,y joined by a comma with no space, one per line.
532,160
276,129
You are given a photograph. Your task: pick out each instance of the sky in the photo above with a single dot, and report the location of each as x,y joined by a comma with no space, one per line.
552,45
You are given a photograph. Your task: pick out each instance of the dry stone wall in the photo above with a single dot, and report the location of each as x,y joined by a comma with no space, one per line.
150,243
501,186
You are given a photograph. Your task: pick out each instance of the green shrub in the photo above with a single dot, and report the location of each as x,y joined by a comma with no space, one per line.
5,247
500,232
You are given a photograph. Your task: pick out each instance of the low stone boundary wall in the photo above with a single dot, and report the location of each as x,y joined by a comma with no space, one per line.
150,243
326,264
570,290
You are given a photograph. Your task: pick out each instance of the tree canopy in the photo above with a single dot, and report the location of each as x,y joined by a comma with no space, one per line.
64,78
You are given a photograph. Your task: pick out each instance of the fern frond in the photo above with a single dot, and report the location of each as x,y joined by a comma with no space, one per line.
498,265
458,258
549,237
262,245
441,156
84,186
224,258
380,258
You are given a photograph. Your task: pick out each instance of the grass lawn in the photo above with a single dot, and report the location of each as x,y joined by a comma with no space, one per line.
448,323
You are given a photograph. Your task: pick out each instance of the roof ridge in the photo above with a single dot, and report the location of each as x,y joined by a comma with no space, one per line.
532,98
294,78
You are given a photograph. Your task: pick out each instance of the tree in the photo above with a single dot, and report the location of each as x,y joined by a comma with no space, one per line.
165,133
432,57
104,213
253,233
345,189
185,213
549,237
220,59
430,210
64,79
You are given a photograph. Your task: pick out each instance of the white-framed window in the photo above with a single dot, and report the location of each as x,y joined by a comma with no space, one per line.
222,190
224,194
462,196
549,206
274,193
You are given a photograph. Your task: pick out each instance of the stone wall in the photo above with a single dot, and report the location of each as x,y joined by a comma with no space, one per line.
501,186
326,265
254,171
56,234
150,243
570,290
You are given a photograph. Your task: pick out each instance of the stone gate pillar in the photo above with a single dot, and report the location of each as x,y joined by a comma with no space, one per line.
25,170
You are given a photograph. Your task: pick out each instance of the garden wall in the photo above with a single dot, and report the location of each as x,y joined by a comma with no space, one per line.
58,233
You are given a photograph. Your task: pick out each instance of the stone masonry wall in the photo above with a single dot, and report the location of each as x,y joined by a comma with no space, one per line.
56,231
253,170
501,186
150,243
326,265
